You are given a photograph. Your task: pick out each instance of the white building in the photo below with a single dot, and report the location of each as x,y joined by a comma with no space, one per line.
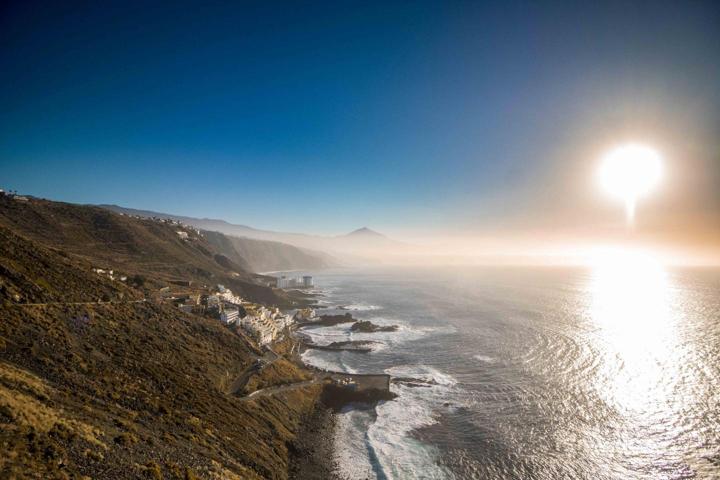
229,297
213,301
297,282
229,315
284,282
265,324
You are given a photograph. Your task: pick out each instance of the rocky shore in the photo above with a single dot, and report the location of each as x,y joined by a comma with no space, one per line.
311,453
358,346
330,320
366,326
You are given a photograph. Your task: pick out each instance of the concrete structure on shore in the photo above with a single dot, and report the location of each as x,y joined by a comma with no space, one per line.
305,281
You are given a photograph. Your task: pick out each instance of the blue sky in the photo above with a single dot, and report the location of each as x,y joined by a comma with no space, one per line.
327,116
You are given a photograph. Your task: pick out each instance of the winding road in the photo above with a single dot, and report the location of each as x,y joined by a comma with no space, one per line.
281,388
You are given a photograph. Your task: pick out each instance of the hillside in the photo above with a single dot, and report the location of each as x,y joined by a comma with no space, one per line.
360,246
267,256
256,250
98,381
133,246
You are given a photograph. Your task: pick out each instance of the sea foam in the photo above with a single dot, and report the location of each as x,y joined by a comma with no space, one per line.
326,361
390,439
361,307
484,358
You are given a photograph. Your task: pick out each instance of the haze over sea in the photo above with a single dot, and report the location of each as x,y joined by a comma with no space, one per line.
544,373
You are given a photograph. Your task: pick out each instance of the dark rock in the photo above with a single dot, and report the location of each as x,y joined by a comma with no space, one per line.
330,320
367,326
337,397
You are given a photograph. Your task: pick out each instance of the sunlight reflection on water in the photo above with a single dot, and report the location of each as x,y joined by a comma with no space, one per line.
644,372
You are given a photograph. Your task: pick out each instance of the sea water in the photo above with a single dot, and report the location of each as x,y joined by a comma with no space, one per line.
547,373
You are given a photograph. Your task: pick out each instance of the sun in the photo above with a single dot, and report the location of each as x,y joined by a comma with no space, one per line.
629,172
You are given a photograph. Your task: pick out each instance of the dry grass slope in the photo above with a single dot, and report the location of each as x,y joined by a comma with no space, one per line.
123,390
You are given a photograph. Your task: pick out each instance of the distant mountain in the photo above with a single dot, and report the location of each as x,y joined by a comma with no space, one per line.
360,246
365,232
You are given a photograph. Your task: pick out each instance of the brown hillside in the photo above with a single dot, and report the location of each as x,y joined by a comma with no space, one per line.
151,248
129,389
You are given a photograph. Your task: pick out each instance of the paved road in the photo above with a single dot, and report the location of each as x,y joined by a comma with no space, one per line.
281,388
255,368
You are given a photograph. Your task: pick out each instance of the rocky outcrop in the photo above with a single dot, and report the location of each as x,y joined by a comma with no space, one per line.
337,397
358,346
366,326
330,320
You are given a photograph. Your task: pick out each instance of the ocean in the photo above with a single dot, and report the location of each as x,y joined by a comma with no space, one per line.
610,372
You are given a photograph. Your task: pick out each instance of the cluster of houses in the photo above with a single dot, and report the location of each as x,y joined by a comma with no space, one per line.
264,324
183,232
13,195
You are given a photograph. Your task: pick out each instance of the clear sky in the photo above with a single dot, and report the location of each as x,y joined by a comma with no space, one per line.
416,118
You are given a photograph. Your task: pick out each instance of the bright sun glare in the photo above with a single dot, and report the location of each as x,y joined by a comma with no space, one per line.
630,172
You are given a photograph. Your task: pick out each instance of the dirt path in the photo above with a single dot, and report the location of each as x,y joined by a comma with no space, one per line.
110,302
257,366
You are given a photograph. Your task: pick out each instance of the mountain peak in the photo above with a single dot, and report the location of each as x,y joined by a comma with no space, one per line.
365,232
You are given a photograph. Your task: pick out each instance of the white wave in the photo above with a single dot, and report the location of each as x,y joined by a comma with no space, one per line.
327,335
351,452
442,329
324,336
404,333
389,438
422,372
484,358
326,361
342,332
361,307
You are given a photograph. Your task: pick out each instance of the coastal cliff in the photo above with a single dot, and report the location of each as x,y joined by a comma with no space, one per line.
100,379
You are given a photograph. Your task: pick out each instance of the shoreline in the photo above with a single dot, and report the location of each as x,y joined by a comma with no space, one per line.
312,452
